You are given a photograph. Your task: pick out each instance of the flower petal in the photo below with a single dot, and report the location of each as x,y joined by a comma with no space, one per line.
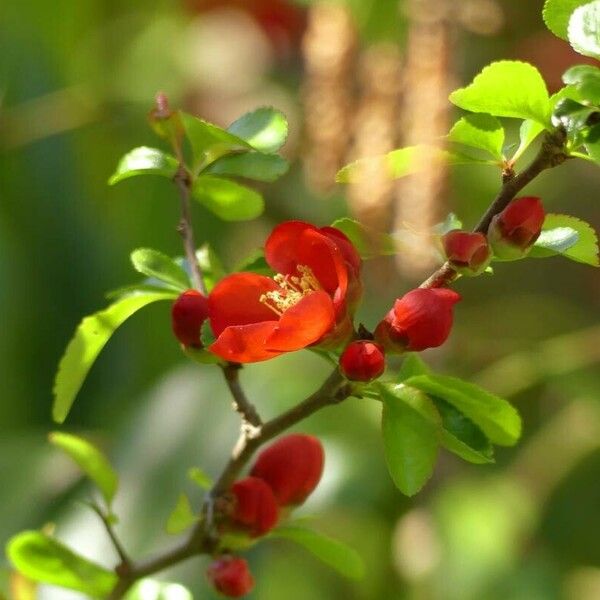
349,252
245,343
281,247
303,324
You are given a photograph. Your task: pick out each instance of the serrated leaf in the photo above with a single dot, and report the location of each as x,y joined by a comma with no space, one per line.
412,365
568,236
450,223
90,460
42,558
497,418
368,242
182,517
586,79
410,426
584,29
572,115
251,165
145,161
155,264
150,589
339,556
557,13
481,131
265,129
507,89
90,337
211,266
227,199
200,478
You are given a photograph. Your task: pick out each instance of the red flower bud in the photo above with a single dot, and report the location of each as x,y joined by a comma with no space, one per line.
231,576
362,361
188,313
468,253
421,319
515,229
255,509
292,466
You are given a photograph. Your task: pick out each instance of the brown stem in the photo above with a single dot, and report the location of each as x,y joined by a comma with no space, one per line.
242,405
125,560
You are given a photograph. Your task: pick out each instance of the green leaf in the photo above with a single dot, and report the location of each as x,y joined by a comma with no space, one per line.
211,266
412,365
90,337
450,223
569,237
41,558
584,29
145,161
228,200
498,420
153,263
410,425
573,116
251,165
200,478
368,242
265,129
506,89
461,436
557,14
481,131
149,285
91,461
207,337
182,517
345,560
592,144
528,132
150,589
586,79
255,263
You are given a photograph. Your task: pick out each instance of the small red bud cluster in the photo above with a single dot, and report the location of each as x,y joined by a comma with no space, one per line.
230,575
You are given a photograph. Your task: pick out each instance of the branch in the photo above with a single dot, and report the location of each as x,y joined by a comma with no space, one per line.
242,405
125,560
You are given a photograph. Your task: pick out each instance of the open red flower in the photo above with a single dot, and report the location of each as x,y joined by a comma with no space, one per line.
256,318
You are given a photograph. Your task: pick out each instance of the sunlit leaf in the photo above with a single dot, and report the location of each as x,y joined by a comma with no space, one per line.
586,78
481,131
265,129
182,517
557,14
200,478
584,29
227,199
153,263
251,165
528,132
412,364
145,161
211,266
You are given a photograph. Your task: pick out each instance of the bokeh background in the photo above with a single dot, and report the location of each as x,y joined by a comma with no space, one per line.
356,78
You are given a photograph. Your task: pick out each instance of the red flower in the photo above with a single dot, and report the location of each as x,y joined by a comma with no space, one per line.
515,229
188,313
231,576
468,253
420,319
255,506
362,361
256,318
292,467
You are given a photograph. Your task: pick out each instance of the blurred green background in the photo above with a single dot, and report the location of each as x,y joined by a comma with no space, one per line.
77,78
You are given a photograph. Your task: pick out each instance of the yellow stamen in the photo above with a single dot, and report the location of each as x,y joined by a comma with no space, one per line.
291,290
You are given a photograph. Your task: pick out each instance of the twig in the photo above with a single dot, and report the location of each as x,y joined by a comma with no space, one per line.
125,565
242,405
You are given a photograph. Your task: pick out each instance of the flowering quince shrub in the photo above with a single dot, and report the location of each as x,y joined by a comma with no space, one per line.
301,293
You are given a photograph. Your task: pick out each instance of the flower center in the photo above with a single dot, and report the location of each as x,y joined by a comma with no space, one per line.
291,289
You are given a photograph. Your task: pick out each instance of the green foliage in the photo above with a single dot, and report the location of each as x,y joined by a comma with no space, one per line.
255,263
150,589
91,461
528,132
342,558
200,478
568,236
450,223
265,129
481,131
227,199
91,336
412,365
557,14
586,80
251,165
507,89
496,418
410,426
574,117
368,242
155,264
182,517
144,161
211,266
207,337
584,29
41,558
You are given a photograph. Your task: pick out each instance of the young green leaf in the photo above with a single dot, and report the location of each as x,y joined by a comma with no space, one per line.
337,555
584,29
569,237
450,223
410,426
91,461
265,129
498,420
91,336
251,165
368,242
507,89
153,263
528,132
150,589
145,161
211,266
481,131
42,558
557,14
182,516
200,478
228,200
412,365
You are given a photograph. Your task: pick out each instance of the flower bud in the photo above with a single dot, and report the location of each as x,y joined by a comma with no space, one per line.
188,313
231,576
256,509
468,253
515,229
292,466
421,319
362,361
